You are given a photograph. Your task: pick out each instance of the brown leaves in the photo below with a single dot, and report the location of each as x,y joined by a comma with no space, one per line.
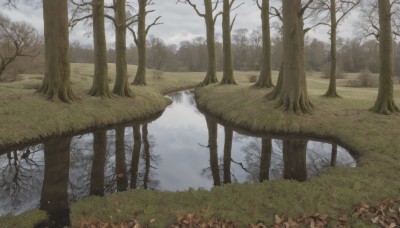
386,214
313,221
193,220
89,224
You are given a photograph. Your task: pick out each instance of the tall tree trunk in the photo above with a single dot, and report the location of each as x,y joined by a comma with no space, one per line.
121,86
140,78
56,83
294,96
277,90
227,77
384,103
54,198
137,145
120,165
265,160
332,93
295,159
146,178
334,155
228,155
212,144
100,79
211,76
99,161
265,79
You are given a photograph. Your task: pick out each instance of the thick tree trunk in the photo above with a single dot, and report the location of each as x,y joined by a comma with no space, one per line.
146,149
294,96
227,77
276,92
140,78
99,161
295,159
56,83
121,86
212,144
120,165
137,145
228,155
384,103
265,79
54,198
211,76
265,160
100,79
332,93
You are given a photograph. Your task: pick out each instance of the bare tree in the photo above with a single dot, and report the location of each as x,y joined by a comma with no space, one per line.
17,39
265,79
227,25
333,13
121,23
140,37
210,17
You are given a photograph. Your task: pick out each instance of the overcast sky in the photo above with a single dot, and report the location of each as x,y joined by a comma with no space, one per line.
180,22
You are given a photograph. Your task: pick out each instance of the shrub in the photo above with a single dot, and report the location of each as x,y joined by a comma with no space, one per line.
252,78
364,79
158,74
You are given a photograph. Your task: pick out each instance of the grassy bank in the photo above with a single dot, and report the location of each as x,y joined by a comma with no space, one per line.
27,116
335,192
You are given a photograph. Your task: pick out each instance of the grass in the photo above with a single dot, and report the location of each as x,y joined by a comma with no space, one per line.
27,117
337,191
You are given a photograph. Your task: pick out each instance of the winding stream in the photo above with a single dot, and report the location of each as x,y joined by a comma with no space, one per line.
181,149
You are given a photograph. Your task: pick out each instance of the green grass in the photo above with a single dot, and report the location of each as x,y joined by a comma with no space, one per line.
27,116
337,191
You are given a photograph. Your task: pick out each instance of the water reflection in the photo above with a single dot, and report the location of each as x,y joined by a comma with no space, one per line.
177,151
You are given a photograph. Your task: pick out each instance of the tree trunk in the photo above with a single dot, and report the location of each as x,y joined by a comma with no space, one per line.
212,144
140,78
265,160
54,198
56,83
265,79
146,178
276,92
99,161
384,103
137,145
211,76
332,93
227,77
294,96
334,155
120,165
121,86
100,79
228,155
295,159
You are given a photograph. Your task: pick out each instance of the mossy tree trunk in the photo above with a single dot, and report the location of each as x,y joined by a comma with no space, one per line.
265,160
121,86
228,155
294,97
56,83
227,77
212,144
54,197
140,40
137,145
277,90
99,161
100,81
385,103
295,159
120,165
265,79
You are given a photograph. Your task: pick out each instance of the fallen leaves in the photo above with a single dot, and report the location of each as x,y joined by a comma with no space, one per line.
386,214
193,220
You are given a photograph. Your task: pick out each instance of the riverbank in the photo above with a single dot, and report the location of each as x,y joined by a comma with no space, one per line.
336,192
27,117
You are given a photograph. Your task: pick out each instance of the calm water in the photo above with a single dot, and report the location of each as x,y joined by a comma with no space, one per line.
181,149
